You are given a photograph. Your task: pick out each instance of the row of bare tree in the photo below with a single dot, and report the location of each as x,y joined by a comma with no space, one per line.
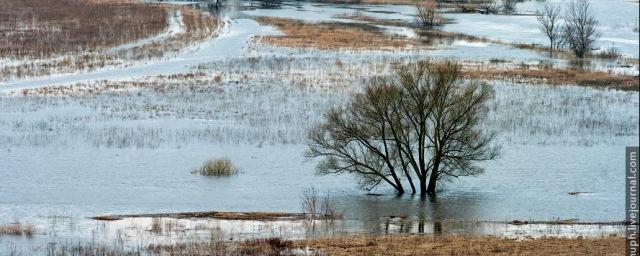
576,29
421,125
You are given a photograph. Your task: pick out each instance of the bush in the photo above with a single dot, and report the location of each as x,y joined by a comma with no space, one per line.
427,13
217,167
609,53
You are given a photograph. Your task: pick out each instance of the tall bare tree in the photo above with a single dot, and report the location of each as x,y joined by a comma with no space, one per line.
549,20
422,123
580,30
456,137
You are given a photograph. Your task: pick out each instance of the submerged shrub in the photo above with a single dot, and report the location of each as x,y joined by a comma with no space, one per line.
217,167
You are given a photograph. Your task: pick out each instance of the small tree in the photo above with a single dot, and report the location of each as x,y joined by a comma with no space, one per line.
508,6
549,19
427,13
423,123
580,30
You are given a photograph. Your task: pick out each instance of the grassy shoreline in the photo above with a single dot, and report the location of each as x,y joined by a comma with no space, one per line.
464,245
365,245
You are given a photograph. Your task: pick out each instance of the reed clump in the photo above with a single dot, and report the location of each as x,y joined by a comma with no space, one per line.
218,168
18,229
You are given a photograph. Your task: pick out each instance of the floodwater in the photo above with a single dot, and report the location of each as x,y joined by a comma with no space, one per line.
66,158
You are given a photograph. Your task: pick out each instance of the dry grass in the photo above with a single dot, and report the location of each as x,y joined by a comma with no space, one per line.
43,28
462,245
611,53
557,77
49,52
428,36
370,245
218,167
266,246
11,229
18,229
331,35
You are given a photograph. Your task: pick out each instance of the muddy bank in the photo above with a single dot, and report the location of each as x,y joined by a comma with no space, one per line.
212,215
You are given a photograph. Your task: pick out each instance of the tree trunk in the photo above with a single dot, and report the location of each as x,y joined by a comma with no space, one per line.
423,186
431,189
398,186
433,178
406,173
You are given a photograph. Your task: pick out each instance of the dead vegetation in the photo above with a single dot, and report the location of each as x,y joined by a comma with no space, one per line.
556,76
427,36
462,245
18,229
83,39
370,245
217,167
218,246
43,28
361,244
335,35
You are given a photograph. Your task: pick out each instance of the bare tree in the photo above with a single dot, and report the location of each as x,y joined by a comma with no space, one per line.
549,19
456,137
427,13
580,30
355,139
422,123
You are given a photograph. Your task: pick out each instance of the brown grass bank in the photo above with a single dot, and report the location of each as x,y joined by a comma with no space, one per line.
462,245
326,36
42,28
556,76
405,245
84,46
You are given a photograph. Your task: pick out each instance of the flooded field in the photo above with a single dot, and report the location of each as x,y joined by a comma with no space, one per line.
125,139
